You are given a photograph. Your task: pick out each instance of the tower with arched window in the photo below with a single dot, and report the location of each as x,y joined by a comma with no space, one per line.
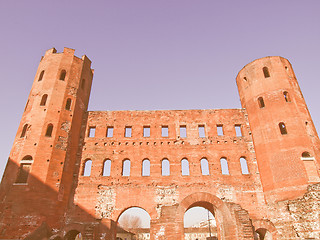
44,154
280,121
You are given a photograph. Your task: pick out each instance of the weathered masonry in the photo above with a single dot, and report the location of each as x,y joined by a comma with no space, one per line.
75,171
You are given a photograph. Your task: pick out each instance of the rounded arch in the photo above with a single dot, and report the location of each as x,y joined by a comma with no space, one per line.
225,225
165,167
106,170
127,208
27,157
261,225
73,235
62,75
204,166
126,167
145,171
306,154
87,165
185,167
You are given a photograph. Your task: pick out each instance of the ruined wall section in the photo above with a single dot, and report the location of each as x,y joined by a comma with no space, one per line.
108,196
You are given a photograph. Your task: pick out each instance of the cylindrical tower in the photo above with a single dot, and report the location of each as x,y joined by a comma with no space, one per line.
38,178
285,139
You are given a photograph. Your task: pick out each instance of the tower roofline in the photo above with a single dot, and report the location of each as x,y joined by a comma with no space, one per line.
259,59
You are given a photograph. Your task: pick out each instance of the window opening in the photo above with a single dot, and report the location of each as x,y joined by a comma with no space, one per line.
266,72
146,167
49,130
87,168
133,218
23,173
220,130
106,168
128,132
68,104
204,166
238,130
224,166
306,155
283,128
126,168
63,75
165,167
183,131
164,131
109,131
185,167
92,132
44,100
24,130
286,96
41,76
244,166
146,131
201,130
261,102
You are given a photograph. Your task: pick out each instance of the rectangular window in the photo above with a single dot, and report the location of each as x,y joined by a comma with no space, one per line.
220,130
201,130
109,131
92,131
183,131
238,130
23,173
128,132
146,131
164,131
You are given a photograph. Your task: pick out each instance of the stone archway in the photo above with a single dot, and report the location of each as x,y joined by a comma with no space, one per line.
226,224
265,230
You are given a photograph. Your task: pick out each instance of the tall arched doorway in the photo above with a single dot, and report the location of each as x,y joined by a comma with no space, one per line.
73,235
133,223
199,223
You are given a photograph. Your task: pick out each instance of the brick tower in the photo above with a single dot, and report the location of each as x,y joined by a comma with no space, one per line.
39,172
285,139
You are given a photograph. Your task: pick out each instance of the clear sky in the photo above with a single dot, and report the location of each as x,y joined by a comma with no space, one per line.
148,54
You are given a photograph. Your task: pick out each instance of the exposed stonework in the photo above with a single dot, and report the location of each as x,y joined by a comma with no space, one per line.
73,172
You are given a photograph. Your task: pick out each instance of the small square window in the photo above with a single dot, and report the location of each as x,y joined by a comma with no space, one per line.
128,132
92,131
146,131
220,130
183,131
109,131
164,131
238,130
201,130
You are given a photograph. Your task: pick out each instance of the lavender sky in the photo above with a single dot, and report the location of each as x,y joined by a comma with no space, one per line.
148,54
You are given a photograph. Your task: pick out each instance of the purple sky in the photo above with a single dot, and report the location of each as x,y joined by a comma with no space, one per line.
147,54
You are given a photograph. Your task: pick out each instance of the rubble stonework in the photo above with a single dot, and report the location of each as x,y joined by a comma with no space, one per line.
73,172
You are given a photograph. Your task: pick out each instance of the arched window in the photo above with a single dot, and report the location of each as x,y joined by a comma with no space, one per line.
49,130
126,164
24,169
283,128
106,168
261,102
87,168
266,72
41,76
146,167
286,96
43,100
185,167
68,104
204,166
165,167
62,75
306,155
244,166
224,166
24,130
